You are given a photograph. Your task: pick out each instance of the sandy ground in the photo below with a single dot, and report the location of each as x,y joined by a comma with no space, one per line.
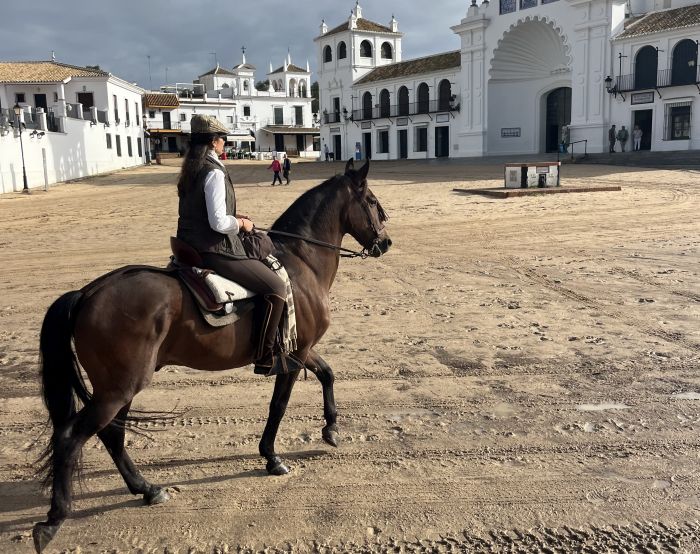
513,376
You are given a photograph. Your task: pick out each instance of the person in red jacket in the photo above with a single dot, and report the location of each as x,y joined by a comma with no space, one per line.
276,167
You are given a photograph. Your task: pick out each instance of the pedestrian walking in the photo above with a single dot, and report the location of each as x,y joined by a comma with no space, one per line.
612,136
637,138
325,151
276,167
622,136
286,168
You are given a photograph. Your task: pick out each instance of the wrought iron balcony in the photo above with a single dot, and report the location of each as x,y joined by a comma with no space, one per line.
407,109
664,78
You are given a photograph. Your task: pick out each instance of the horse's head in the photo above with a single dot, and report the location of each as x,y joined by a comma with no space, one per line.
365,215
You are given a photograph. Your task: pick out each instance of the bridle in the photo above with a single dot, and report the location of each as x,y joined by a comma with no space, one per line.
373,250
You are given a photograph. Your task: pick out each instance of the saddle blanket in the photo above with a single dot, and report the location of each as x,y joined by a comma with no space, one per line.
227,292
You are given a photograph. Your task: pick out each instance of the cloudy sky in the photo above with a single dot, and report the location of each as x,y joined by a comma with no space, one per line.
182,35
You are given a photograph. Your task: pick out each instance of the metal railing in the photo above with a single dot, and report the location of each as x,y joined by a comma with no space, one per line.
407,108
172,125
333,117
571,144
72,110
31,120
664,78
286,122
52,122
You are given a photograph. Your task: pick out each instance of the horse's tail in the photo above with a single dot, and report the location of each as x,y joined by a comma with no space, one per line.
61,378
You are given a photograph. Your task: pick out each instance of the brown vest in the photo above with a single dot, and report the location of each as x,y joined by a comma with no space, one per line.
193,221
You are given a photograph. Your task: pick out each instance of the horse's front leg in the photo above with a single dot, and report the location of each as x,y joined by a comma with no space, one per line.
278,405
325,375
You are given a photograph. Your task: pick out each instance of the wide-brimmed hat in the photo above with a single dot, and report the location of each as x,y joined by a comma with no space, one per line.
207,124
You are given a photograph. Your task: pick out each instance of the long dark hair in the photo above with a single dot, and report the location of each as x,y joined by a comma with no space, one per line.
194,162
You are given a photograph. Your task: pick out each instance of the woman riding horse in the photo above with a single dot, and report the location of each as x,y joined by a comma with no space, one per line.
128,324
208,222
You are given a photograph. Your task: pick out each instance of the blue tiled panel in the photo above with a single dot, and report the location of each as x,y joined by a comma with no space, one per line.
527,4
507,6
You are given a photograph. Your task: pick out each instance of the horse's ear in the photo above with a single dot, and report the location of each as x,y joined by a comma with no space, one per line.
363,171
349,166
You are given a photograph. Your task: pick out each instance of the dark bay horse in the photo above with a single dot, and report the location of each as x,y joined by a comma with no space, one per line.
127,325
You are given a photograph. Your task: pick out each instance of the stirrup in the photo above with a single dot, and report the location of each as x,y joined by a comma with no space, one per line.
281,365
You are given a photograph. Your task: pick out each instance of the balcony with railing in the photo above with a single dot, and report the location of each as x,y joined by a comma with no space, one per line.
407,109
664,78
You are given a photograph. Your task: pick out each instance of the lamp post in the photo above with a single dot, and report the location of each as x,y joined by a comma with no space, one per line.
18,110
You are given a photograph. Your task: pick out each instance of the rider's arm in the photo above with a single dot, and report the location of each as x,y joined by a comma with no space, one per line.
215,197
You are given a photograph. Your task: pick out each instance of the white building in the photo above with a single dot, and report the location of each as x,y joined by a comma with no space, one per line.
275,120
524,69
76,122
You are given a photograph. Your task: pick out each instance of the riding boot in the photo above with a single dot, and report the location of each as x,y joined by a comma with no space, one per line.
269,357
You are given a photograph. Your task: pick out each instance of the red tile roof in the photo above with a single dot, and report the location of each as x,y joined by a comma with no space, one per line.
44,72
665,20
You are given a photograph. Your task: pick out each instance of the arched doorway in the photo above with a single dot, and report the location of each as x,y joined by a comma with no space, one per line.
557,114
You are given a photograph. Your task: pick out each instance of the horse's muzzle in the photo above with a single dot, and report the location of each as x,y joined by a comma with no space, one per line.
380,247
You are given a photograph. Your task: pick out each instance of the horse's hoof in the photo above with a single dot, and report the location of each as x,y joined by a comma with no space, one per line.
43,534
276,467
158,496
330,435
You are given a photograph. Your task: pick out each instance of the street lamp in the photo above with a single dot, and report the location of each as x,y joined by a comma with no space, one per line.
18,110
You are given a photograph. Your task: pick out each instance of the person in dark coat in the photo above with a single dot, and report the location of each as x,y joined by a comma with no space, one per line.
286,168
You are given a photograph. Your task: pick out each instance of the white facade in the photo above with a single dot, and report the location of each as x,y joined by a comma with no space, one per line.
526,68
71,128
277,120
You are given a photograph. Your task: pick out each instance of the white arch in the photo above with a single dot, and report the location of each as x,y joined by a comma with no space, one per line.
534,47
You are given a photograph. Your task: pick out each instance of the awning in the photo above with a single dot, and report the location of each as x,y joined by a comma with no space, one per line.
240,138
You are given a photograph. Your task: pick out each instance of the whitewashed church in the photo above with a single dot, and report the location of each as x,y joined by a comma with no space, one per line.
525,69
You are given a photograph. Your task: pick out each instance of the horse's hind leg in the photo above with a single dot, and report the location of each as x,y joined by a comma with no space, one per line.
66,454
278,405
113,438
324,373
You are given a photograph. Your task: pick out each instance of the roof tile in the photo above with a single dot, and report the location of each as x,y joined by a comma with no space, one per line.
44,72
362,25
665,20
437,62
161,100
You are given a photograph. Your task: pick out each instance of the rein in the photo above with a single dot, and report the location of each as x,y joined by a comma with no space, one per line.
347,252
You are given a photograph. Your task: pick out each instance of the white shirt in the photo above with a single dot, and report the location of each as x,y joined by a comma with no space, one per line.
215,197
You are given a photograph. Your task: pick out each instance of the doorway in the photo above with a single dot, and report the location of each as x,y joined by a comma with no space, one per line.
367,145
644,118
172,144
403,144
87,100
40,102
166,120
279,142
442,142
557,114
337,150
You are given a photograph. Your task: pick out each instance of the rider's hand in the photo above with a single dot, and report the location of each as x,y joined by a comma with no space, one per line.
246,225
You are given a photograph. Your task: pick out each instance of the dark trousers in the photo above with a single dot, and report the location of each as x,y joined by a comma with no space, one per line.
251,274
276,178
285,173
612,145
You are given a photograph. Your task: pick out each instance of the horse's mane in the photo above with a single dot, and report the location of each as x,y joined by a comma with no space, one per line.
314,203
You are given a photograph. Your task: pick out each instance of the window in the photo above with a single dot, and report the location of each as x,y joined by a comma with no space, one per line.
421,139
126,111
365,49
387,51
327,54
183,117
279,116
645,65
685,63
19,98
342,50
151,114
136,110
139,147
119,145
245,85
246,111
507,6
383,141
524,4
129,151
367,105
384,103
444,95
403,101
298,115
423,98
109,141
55,97
678,121
116,108
229,119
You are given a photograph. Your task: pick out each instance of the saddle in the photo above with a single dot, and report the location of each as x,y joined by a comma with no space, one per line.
215,295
